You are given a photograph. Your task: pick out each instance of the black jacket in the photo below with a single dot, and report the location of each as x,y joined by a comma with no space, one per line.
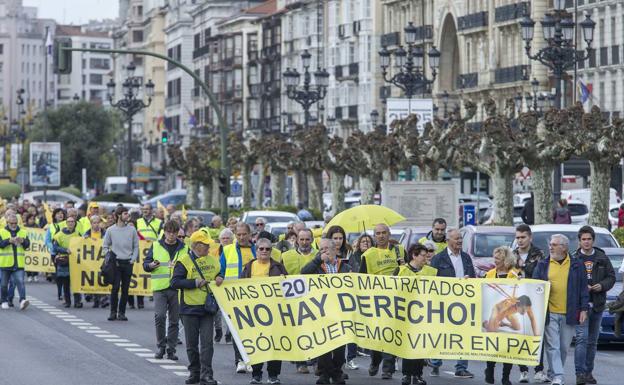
602,273
535,255
528,212
443,263
316,266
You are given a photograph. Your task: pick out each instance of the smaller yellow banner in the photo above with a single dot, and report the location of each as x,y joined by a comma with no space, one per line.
37,256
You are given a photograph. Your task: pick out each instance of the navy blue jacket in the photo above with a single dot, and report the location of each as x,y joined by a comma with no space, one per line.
443,263
578,295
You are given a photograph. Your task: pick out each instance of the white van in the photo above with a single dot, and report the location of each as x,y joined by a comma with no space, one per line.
115,184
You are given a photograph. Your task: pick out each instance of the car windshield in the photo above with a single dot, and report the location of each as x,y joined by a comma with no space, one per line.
484,244
616,261
269,219
577,209
541,239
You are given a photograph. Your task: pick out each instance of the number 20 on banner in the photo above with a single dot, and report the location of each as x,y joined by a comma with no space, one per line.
294,287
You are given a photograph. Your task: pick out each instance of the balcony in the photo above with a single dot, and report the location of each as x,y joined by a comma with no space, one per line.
511,74
470,80
390,39
473,20
347,72
424,33
269,54
201,51
172,101
511,11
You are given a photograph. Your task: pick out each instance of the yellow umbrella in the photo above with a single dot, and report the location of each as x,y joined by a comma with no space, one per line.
359,218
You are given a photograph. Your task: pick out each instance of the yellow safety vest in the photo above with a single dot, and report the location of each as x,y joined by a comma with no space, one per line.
295,261
210,269
63,239
83,225
233,263
150,231
404,270
9,254
161,276
440,246
383,261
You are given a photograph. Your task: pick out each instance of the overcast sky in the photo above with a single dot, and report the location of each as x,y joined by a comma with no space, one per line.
75,11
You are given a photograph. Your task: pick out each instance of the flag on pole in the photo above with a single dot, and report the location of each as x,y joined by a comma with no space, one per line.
192,119
585,91
49,43
48,213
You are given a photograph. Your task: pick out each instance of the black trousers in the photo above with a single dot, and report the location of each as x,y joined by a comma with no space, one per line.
506,368
123,272
274,368
412,367
388,361
540,367
198,331
63,282
330,363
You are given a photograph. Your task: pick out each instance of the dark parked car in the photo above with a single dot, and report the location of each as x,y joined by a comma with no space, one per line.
606,327
480,241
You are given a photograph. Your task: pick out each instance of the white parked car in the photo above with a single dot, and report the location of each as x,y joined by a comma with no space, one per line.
542,234
53,197
249,217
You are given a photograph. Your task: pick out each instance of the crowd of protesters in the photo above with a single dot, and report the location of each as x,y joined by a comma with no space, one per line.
185,255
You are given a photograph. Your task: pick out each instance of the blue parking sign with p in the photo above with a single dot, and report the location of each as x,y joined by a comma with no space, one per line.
470,217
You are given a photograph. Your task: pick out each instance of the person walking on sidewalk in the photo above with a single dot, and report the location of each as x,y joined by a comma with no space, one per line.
191,274
600,279
123,241
159,261
13,243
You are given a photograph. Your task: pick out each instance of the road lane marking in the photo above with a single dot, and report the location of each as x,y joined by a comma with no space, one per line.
123,345
160,361
106,335
143,355
182,374
173,367
138,350
116,340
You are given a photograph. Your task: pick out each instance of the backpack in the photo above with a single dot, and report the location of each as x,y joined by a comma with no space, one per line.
108,268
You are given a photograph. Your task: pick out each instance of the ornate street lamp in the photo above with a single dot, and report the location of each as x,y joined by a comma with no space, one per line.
559,54
410,67
129,105
307,94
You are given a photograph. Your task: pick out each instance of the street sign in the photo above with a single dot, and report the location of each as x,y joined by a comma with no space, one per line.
401,108
470,217
45,164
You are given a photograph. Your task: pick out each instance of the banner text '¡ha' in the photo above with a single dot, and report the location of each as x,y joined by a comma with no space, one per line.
85,261
301,317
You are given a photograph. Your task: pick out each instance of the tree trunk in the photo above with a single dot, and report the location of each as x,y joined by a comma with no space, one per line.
191,194
216,194
386,175
315,189
542,193
338,191
207,196
260,186
369,184
278,187
297,195
600,183
502,179
430,173
247,188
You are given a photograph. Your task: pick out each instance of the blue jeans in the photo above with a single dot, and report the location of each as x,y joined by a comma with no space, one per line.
558,339
15,276
586,341
460,365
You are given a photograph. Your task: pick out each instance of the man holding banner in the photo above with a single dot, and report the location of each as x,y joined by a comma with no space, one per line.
160,260
453,262
191,275
325,262
382,260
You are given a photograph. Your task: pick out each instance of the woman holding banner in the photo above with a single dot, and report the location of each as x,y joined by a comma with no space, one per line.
60,257
123,241
58,223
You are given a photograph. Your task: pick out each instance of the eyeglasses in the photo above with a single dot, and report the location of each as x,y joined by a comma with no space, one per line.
431,250
259,224
264,249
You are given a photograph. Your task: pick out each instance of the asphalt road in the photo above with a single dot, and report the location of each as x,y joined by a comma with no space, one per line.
48,344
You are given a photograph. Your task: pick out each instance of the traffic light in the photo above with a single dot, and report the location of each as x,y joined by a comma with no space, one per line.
164,139
62,59
224,184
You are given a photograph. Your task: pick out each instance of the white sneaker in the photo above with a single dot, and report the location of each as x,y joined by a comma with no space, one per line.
351,365
36,278
5,305
249,369
557,381
240,367
540,377
524,377
29,279
24,304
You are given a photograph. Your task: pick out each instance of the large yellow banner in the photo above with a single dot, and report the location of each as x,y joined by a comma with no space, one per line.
85,261
37,256
297,318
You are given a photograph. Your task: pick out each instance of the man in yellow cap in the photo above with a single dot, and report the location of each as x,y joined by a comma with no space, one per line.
191,275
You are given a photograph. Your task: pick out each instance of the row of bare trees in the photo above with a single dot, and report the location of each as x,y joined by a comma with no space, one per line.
503,144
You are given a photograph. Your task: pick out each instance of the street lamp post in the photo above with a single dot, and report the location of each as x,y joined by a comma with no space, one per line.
129,105
410,67
559,54
307,94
